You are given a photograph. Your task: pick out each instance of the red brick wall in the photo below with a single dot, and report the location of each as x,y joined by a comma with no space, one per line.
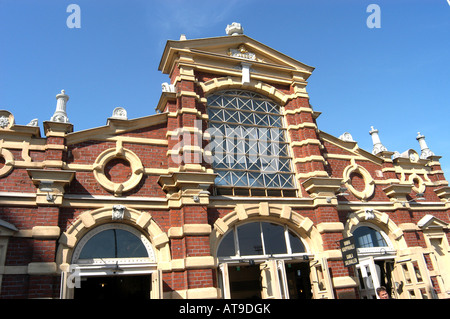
17,181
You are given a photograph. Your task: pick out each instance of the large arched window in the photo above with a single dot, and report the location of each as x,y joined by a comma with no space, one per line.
248,144
260,239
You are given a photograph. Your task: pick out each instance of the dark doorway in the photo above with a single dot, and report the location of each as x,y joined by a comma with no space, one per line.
114,287
298,280
245,282
386,280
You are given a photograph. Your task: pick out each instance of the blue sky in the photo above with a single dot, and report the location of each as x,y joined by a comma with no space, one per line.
395,78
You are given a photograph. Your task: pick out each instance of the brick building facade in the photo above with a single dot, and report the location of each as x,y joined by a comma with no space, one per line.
230,191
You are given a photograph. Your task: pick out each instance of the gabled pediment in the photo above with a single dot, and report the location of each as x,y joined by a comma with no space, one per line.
349,147
115,127
220,52
431,222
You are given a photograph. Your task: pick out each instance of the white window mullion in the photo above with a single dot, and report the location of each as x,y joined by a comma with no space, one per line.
288,241
236,242
262,238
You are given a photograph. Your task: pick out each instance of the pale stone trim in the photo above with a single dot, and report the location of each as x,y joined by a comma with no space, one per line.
200,262
13,270
42,268
369,182
331,227
196,293
265,211
380,220
115,127
197,229
298,110
349,157
185,110
353,148
301,125
45,232
344,282
311,174
409,227
203,293
9,162
333,254
137,169
305,142
312,158
89,219
230,83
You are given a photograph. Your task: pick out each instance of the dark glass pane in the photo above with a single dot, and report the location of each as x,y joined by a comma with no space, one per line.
250,239
223,178
296,244
240,179
366,237
255,180
99,246
129,246
274,240
113,243
226,247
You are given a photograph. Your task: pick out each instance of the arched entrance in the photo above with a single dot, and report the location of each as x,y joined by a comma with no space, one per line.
270,252
385,259
114,261
102,248
376,260
264,260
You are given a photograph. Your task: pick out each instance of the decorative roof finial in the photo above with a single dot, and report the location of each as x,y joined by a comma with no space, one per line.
120,113
234,29
426,152
377,146
60,114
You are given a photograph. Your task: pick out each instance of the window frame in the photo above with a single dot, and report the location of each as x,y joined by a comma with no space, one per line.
239,159
371,251
264,256
108,261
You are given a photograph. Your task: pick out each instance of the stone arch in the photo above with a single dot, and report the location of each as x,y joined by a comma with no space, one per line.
381,221
303,226
142,221
219,84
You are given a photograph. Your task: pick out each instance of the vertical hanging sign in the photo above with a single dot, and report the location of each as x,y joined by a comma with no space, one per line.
349,253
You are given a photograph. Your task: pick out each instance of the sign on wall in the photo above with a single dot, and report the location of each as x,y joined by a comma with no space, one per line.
349,253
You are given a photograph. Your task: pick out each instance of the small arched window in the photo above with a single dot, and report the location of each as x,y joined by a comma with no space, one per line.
260,239
367,237
248,143
112,242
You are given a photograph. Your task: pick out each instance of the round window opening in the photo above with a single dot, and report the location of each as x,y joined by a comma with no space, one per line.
357,181
118,170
